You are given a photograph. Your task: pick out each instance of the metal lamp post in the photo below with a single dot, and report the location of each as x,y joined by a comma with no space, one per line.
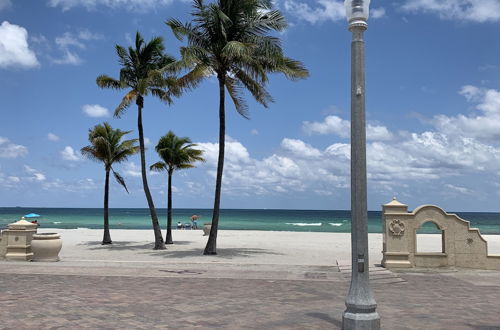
361,306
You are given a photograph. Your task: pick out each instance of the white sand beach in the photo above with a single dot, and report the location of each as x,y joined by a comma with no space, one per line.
233,247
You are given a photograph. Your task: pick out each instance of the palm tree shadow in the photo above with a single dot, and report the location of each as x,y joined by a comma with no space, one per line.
170,253
224,254
126,245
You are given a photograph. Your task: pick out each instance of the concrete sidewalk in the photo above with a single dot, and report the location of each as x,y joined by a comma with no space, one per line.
145,295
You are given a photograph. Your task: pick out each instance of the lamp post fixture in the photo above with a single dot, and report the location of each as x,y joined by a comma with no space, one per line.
361,306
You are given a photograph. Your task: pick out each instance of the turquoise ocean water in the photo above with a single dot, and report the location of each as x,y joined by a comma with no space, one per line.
234,219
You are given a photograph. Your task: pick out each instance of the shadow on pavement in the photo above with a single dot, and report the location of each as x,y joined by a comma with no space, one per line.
170,253
227,253
126,245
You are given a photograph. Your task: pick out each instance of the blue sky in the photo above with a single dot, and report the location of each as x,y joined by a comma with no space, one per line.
433,108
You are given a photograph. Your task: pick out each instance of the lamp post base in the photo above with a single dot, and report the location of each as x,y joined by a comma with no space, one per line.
360,321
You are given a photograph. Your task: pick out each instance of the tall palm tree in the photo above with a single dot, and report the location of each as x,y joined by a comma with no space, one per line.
176,154
106,146
143,72
230,39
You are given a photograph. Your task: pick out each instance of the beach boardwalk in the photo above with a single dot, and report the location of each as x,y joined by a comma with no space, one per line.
126,295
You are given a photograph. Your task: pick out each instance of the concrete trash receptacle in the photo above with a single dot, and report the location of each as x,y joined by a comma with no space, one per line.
46,246
206,228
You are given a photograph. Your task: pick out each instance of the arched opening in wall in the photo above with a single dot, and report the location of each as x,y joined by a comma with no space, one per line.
430,238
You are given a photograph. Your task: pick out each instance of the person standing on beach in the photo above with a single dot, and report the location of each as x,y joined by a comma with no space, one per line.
194,221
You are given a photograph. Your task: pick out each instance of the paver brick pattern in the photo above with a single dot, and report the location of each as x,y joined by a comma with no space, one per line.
423,301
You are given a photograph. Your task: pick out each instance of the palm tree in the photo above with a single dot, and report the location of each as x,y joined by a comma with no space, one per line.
106,146
177,154
230,39
143,73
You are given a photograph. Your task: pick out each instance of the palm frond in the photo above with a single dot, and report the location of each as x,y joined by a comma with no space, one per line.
125,150
235,39
158,167
119,179
90,153
198,4
194,77
184,166
292,69
126,101
176,153
178,28
107,145
238,51
266,21
194,55
258,91
145,69
139,41
123,56
234,89
162,95
104,81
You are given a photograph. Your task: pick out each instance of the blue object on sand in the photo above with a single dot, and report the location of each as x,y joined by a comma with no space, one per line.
32,215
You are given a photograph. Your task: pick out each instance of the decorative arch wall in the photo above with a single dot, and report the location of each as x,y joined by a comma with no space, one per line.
442,236
462,246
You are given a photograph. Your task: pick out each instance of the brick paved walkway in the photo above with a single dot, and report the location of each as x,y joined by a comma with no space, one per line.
216,296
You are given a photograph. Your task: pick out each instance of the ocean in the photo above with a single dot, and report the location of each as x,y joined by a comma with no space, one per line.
233,219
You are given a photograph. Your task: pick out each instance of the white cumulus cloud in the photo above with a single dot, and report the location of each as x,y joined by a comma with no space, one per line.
67,40
459,189
87,35
377,12
467,10
484,125
287,171
132,5
321,11
68,44
53,137
131,169
95,110
235,152
342,128
318,11
378,133
331,125
11,150
14,179
463,149
14,48
68,153
35,175
299,148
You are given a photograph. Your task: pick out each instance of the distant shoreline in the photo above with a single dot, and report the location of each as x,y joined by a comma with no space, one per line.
210,209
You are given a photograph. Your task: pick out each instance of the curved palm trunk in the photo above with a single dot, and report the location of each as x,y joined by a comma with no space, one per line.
106,239
159,245
212,239
168,239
